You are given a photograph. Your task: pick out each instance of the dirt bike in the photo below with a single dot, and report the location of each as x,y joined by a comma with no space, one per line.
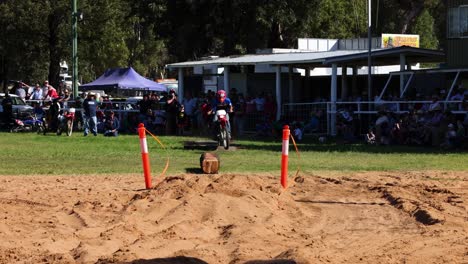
65,119
34,123
222,130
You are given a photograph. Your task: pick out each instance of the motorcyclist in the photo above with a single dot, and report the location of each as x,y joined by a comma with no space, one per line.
222,102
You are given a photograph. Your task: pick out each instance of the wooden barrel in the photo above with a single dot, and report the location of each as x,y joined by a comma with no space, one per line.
209,163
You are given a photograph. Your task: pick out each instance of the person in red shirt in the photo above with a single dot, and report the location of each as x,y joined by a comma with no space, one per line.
52,93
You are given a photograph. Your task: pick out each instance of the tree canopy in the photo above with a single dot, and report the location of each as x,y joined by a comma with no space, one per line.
148,34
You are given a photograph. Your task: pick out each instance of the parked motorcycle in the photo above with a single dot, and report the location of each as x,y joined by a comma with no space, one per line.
33,123
65,121
17,126
221,126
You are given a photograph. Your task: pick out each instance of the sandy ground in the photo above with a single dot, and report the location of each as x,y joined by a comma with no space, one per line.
378,217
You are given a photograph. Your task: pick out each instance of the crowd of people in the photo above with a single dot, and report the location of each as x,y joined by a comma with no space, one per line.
424,124
427,124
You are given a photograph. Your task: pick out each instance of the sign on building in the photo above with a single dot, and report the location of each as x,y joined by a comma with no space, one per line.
398,40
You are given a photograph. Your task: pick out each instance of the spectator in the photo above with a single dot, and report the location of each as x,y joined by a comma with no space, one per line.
450,137
64,98
144,105
239,107
38,110
45,90
20,91
106,103
370,137
7,104
382,129
190,106
270,107
52,115
172,109
90,118
259,103
111,125
37,93
51,93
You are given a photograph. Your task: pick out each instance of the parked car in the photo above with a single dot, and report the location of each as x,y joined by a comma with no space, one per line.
20,109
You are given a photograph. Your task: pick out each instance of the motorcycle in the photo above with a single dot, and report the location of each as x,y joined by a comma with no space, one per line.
65,121
33,123
221,126
17,126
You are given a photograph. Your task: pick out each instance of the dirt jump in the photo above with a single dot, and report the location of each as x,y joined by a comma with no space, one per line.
366,217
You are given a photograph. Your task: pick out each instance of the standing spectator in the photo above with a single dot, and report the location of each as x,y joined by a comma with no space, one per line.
106,103
90,118
239,107
7,104
51,93
190,106
37,93
52,115
172,109
64,98
111,125
260,103
45,89
20,91
270,107
144,105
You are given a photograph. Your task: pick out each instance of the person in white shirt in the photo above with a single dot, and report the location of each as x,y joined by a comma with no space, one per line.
37,93
259,103
190,107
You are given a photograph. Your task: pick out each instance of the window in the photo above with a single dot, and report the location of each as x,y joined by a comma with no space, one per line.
458,22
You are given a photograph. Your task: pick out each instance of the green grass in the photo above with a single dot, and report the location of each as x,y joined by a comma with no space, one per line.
29,153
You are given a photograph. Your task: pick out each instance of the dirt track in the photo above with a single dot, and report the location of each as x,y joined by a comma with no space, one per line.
378,217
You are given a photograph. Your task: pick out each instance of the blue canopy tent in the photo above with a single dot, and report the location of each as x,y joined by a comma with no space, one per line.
118,79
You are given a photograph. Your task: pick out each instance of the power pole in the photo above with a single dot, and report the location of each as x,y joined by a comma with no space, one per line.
369,61
75,48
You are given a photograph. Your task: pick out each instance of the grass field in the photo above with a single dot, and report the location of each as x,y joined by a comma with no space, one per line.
29,153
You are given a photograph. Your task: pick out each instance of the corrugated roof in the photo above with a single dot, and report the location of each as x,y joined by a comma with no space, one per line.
324,58
273,59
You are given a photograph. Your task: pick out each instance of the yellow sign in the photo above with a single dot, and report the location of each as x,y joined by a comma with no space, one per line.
398,40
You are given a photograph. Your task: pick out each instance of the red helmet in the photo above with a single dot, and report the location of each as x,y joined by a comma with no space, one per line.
221,95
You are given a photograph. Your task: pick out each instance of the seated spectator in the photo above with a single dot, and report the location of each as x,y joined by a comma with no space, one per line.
297,130
450,137
370,137
382,129
111,125
313,124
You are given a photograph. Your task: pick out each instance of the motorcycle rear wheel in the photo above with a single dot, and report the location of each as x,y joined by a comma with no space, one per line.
69,127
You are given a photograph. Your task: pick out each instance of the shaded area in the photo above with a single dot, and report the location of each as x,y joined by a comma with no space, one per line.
337,202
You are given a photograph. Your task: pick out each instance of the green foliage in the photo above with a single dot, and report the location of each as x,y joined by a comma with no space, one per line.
148,34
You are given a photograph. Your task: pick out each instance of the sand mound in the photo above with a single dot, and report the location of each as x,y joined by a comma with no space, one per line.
366,217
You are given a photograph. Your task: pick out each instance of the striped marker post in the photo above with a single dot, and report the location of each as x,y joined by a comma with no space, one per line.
284,157
144,155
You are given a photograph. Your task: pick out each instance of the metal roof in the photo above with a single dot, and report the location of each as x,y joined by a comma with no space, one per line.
273,59
389,56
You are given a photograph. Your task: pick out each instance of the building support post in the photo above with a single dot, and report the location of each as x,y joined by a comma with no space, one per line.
226,79
333,99
180,83
402,76
74,49
290,84
278,92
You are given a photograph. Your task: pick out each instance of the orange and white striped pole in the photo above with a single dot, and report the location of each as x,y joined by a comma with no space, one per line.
144,155
284,157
